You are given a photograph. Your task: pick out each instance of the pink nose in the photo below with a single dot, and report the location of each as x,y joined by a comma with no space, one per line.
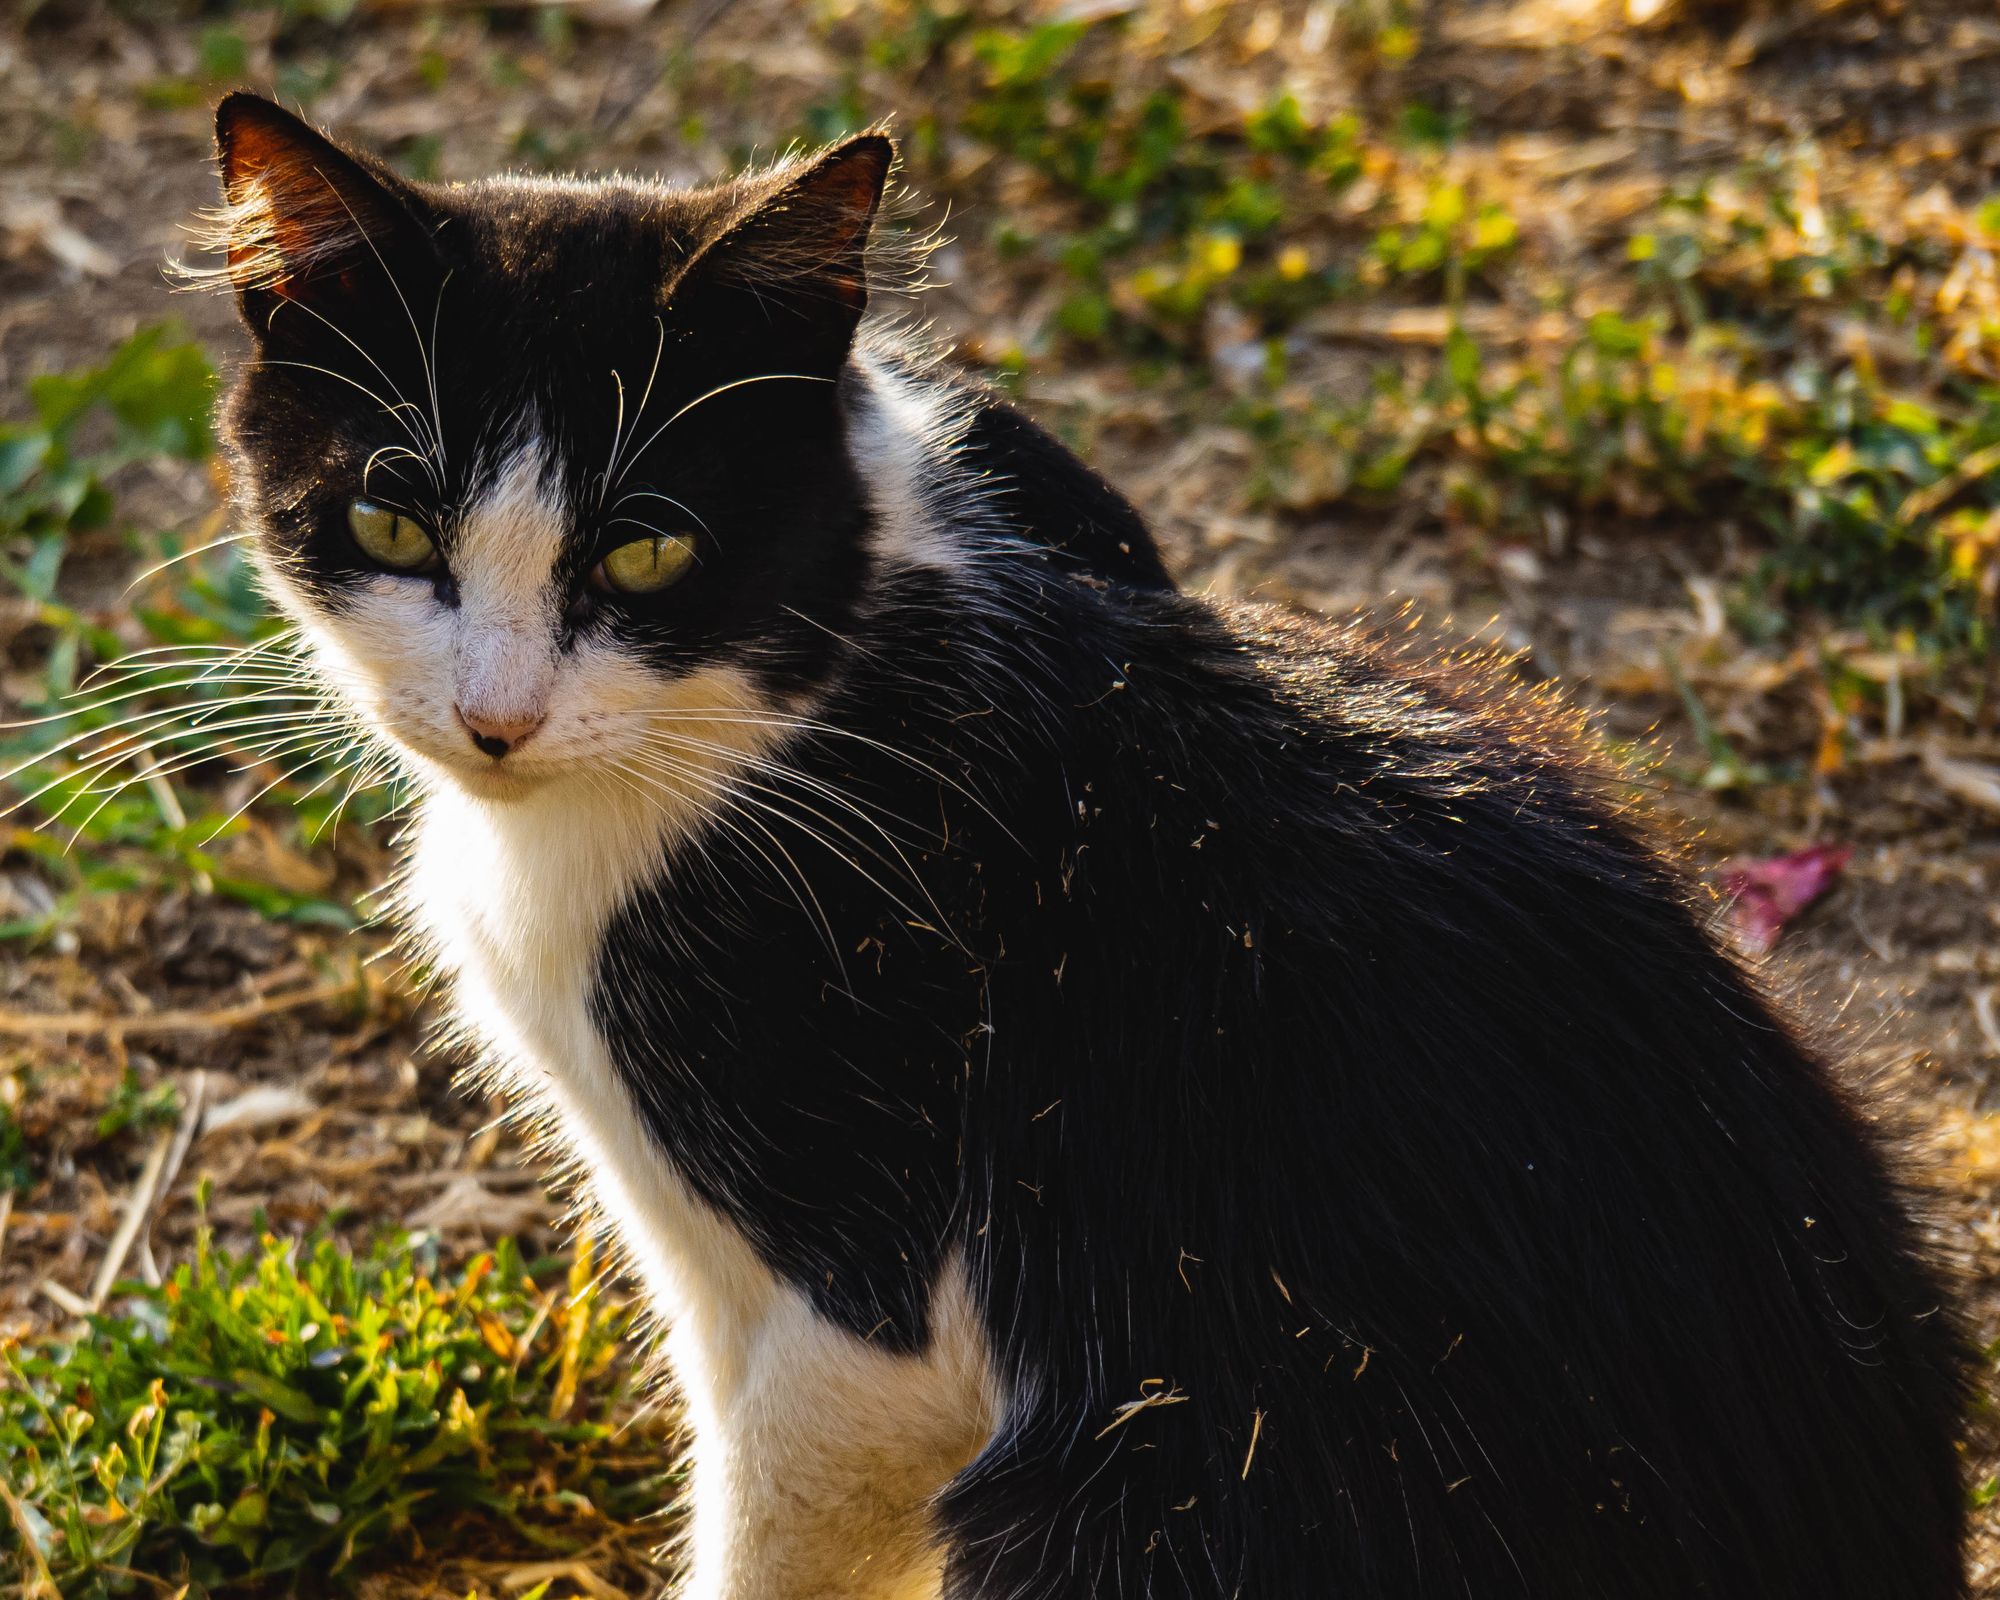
495,734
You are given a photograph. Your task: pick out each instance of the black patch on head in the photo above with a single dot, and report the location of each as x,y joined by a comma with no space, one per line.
678,353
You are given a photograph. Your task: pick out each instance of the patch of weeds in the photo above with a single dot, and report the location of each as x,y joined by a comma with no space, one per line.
222,58
1762,249
1450,238
1730,367
290,46
534,147
1422,126
154,390
137,1107
1875,509
1166,218
148,401
1175,207
1726,769
212,690
300,83
293,1414
1388,29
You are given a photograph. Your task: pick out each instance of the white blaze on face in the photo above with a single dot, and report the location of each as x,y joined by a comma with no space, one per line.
817,1455
505,651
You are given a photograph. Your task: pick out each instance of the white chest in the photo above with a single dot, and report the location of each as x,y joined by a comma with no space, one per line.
517,901
815,1454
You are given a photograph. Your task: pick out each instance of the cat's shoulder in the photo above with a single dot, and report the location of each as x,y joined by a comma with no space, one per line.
1341,722
1397,681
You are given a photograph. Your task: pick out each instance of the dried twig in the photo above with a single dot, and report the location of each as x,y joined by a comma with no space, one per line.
68,1299
1972,782
138,1207
41,1583
192,1112
1929,498
1256,1433
169,806
515,1576
1989,1024
1131,1408
30,1024
516,1579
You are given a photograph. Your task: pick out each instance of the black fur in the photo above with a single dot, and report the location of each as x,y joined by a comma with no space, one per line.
1331,1061
1045,494
1284,1032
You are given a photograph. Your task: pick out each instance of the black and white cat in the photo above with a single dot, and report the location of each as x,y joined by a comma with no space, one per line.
1112,1093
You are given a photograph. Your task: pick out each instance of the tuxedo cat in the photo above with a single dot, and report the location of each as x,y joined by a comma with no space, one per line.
1112,1093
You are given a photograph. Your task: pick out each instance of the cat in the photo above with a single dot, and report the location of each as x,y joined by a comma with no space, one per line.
1110,1092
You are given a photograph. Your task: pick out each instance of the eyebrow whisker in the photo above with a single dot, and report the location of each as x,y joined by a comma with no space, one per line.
719,389
618,440
655,494
436,444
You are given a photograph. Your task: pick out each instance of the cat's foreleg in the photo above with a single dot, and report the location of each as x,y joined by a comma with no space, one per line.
817,1457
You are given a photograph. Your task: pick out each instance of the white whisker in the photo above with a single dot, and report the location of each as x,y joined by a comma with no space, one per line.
604,480
186,555
797,881
654,494
423,353
436,443
721,388
739,788
283,777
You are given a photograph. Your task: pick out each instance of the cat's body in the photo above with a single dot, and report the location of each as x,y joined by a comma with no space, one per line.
1111,1094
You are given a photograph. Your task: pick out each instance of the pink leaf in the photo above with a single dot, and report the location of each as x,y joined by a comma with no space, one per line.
1767,894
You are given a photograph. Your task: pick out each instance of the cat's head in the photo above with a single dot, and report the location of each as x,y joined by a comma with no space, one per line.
535,463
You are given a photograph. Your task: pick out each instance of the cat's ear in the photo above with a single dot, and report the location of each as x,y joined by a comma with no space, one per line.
302,219
796,259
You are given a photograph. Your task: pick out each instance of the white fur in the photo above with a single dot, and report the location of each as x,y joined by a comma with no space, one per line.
815,1454
901,427
505,656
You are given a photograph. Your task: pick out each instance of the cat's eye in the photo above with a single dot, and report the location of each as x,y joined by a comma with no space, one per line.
390,538
646,566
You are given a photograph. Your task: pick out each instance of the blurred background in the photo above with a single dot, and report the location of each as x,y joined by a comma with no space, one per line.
1655,341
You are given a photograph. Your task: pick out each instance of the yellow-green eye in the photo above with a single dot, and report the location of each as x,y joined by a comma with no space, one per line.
646,566
396,541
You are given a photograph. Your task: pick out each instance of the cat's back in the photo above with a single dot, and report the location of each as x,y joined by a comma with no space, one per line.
1315,759
1356,950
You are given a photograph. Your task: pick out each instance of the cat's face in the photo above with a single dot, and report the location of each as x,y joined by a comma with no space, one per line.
548,473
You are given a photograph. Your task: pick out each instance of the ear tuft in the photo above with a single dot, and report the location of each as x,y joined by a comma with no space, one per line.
836,201
298,212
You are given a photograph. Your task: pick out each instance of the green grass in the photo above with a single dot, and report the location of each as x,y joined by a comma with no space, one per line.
1871,508
96,748
290,1415
1722,369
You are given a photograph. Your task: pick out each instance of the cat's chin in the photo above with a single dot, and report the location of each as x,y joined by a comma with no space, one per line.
498,785
491,781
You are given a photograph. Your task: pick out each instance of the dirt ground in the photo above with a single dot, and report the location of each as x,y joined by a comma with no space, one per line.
322,1102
